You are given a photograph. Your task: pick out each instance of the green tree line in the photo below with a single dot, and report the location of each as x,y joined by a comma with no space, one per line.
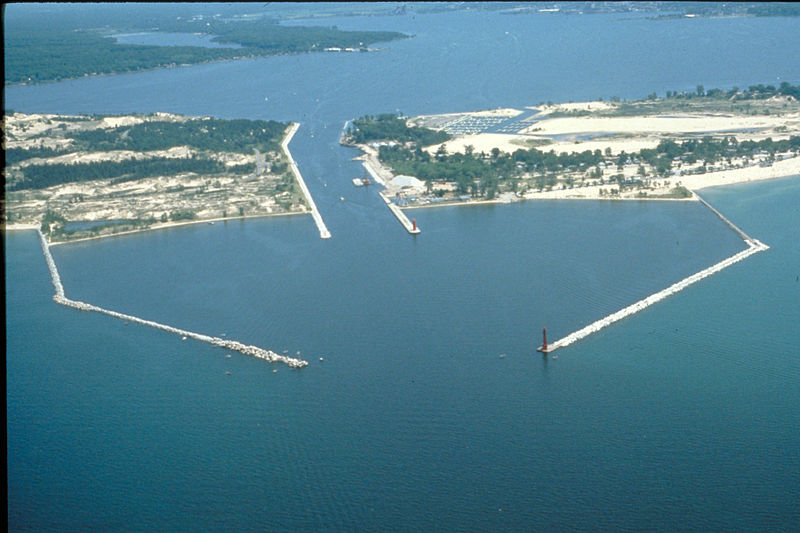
391,127
15,155
483,174
42,176
239,135
50,47
276,39
710,150
38,55
753,92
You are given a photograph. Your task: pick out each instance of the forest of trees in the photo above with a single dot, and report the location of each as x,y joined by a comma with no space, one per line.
753,92
271,38
237,135
60,45
392,127
38,55
212,135
482,175
15,155
42,176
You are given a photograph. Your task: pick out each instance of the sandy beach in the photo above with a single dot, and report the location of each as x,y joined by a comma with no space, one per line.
670,125
779,169
629,127
617,133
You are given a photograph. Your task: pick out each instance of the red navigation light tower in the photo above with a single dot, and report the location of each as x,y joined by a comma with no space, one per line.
414,221
544,348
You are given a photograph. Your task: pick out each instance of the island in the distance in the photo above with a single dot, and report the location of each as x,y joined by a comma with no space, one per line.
658,148
53,41
79,177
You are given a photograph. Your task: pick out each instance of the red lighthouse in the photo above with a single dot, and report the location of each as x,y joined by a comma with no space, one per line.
543,348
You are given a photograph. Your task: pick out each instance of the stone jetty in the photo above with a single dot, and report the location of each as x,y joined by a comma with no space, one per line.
753,246
253,351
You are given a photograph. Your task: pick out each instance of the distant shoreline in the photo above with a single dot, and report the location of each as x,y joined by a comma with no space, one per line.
135,71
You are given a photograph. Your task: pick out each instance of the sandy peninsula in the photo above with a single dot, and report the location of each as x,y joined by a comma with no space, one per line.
549,129
614,128
256,185
780,169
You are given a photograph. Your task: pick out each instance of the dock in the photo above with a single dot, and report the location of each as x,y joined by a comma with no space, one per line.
323,230
254,351
373,173
411,227
381,176
753,247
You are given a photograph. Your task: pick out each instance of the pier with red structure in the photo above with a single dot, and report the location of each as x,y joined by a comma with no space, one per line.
410,226
544,348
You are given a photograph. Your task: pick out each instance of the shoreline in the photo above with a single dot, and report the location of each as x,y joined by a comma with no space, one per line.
213,218
785,168
154,227
593,195
168,66
134,71
541,198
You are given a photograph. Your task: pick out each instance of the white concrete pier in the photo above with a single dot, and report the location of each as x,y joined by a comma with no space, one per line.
753,246
398,213
254,351
323,230
377,178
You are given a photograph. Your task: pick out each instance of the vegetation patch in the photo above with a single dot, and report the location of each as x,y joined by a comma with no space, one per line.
87,176
485,176
53,44
391,127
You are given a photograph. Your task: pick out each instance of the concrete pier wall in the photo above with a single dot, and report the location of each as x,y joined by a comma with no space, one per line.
372,172
753,246
323,230
398,213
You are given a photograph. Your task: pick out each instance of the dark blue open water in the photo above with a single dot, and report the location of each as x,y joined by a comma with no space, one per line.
683,417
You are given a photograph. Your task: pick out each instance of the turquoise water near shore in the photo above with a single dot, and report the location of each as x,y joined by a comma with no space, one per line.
682,417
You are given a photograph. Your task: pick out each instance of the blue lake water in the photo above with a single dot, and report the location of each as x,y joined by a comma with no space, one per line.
682,417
